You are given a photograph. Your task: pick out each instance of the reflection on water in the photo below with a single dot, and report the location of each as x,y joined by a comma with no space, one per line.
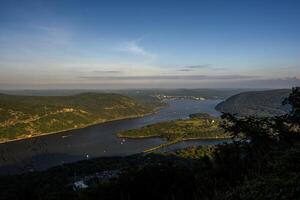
99,140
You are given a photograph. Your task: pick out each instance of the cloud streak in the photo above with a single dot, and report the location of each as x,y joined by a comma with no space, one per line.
108,71
185,70
132,47
201,66
171,77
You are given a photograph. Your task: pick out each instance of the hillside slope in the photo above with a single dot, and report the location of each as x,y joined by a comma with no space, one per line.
27,116
258,103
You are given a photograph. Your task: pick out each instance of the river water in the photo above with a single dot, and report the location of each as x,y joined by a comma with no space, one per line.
99,140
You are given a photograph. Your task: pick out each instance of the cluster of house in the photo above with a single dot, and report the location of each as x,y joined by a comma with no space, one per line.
161,96
99,177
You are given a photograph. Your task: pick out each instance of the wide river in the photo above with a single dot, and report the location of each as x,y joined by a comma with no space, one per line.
99,140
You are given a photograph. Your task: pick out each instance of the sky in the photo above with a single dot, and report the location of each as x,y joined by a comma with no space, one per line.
72,44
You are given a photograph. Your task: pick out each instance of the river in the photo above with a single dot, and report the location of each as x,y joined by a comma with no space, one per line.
99,140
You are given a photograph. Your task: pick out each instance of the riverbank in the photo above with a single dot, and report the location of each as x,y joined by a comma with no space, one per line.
26,137
23,117
152,149
96,141
197,127
191,128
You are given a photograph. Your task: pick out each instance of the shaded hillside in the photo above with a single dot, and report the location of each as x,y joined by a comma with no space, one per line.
258,103
27,116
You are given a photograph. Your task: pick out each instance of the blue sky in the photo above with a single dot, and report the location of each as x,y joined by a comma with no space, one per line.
134,44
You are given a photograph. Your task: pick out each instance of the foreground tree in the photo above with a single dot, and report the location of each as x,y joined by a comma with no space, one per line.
262,133
271,151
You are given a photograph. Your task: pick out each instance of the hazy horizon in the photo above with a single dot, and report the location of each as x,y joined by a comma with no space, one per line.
157,44
96,89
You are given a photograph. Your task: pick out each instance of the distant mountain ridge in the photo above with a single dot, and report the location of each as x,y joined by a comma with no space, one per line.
205,93
28,116
256,103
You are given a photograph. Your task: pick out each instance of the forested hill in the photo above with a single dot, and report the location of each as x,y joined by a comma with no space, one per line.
258,103
27,116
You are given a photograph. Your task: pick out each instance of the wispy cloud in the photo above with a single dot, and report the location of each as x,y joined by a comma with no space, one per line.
133,47
108,71
185,70
172,77
201,66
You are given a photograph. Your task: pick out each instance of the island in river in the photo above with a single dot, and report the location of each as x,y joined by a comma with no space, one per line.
27,114
198,126
30,116
40,153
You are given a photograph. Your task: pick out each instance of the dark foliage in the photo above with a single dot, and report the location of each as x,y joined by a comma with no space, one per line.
258,103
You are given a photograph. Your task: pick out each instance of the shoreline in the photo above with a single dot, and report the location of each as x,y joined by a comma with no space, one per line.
78,128
149,150
137,137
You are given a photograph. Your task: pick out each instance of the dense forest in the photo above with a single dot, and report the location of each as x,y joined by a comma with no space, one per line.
27,116
261,163
256,103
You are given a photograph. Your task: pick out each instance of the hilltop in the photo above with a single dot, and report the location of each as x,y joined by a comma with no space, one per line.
256,103
28,116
